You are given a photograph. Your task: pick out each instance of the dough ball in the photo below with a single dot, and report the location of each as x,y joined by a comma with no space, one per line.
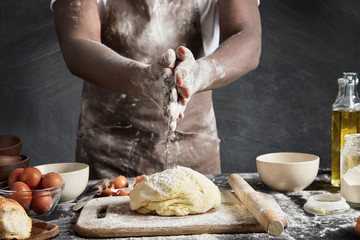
178,191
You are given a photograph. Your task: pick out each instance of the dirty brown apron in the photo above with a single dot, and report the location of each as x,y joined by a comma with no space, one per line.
120,134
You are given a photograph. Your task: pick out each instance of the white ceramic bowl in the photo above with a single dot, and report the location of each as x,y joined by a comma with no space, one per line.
287,171
75,176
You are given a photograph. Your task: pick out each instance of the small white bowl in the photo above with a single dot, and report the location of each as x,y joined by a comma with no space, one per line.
287,171
75,176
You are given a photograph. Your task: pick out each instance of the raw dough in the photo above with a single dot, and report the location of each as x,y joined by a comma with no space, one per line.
178,191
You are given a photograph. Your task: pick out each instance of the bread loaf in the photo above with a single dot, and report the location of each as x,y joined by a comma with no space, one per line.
14,222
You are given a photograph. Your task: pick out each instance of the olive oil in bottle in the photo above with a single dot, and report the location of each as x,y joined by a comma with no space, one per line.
345,120
343,123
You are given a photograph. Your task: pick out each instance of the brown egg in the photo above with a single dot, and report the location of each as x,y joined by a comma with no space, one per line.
357,226
120,182
51,179
139,179
14,176
357,229
31,176
24,198
107,192
41,202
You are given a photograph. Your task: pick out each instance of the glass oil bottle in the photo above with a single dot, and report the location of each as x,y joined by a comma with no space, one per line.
345,120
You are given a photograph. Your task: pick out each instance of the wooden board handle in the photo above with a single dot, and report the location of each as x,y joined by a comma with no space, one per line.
256,205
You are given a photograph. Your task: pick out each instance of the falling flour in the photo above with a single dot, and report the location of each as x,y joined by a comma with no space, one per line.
171,135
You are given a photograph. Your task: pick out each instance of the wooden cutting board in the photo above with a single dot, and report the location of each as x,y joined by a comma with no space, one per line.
43,230
112,217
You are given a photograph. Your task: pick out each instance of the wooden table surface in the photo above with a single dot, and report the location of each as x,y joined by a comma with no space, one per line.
301,225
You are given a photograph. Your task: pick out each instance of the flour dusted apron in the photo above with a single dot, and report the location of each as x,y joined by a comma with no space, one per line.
120,134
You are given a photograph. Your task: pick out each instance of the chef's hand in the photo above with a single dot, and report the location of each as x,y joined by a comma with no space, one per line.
186,73
158,84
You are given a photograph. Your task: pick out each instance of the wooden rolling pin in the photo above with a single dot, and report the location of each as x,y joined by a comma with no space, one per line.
256,205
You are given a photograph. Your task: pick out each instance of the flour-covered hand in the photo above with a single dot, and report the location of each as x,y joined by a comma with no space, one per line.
186,72
158,84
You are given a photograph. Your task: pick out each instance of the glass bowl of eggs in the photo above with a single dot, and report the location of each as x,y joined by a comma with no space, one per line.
37,193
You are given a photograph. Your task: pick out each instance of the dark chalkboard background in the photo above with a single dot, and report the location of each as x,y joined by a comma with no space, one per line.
284,105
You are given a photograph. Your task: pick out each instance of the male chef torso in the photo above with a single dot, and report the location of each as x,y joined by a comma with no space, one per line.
120,134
